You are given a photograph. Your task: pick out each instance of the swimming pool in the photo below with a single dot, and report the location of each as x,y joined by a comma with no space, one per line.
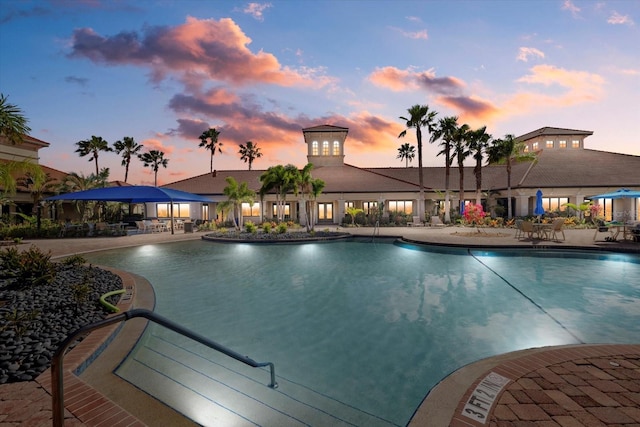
359,332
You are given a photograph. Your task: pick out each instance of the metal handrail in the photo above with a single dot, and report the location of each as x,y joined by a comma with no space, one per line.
57,392
376,227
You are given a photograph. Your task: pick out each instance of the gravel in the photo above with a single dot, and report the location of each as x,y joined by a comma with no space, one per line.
36,318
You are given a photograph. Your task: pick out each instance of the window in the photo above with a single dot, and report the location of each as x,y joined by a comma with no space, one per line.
562,144
180,210
526,149
287,213
251,209
575,143
336,148
205,212
551,204
549,144
348,205
369,207
314,148
535,146
325,148
405,206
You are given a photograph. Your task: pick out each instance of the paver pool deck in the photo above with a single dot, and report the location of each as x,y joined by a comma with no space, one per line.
585,385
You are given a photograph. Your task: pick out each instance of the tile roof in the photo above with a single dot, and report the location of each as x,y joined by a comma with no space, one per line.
552,131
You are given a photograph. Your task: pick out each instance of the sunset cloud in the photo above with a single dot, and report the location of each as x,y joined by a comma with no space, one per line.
197,51
571,7
580,86
401,80
416,35
524,53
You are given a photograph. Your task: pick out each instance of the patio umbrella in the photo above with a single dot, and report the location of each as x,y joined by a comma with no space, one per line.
539,210
618,194
133,194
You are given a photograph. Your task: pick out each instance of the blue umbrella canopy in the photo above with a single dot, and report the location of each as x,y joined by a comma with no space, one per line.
132,194
539,210
618,194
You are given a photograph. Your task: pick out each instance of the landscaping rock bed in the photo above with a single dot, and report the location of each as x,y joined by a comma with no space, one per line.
36,318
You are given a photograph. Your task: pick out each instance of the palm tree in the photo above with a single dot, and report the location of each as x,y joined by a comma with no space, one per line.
461,152
13,124
249,153
419,117
445,131
282,180
507,150
154,159
406,152
237,194
317,185
92,147
129,148
37,183
79,182
209,140
478,143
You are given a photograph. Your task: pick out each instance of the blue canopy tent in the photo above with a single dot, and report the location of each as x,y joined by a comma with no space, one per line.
539,209
133,194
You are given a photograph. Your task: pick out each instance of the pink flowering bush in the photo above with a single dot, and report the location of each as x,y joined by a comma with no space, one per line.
595,210
474,214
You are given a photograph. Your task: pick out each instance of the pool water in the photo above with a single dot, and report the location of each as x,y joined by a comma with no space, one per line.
359,332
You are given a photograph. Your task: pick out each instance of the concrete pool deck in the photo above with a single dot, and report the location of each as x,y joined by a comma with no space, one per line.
587,385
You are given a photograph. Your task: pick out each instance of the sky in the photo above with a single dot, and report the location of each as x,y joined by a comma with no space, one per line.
164,71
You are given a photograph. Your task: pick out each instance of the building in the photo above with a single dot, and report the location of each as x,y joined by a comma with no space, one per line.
564,170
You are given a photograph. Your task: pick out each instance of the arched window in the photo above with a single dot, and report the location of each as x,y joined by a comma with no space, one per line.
325,148
336,148
314,148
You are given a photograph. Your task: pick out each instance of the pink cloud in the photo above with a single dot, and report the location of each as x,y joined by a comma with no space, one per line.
196,52
579,86
618,19
524,53
401,80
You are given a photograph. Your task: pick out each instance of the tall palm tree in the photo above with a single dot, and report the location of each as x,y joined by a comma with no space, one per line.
478,143
129,148
445,131
237,194
406,152
506,151
249,152
13,123
209,140
460,153
419,117
92,147
154,159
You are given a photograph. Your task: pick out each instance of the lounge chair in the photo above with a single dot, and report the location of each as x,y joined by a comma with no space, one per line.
435,221
142,227
558,225
416,222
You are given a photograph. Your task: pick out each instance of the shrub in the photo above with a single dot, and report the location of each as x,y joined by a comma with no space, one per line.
266,227
250,227
74,260
282,228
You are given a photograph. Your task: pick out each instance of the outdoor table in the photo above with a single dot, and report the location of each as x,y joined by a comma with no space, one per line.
118,228
542,229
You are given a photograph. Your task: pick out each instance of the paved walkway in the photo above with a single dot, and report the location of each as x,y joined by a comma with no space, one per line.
586,385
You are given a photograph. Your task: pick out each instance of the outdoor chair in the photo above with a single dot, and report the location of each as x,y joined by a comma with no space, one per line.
141,227
601,227
519,228
527,229
558,227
